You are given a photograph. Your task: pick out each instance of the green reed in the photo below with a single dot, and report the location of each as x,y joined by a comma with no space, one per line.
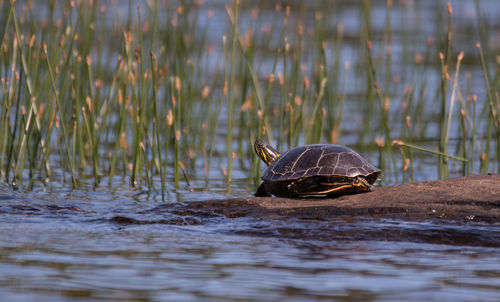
62,118
86,96
229,78
493,106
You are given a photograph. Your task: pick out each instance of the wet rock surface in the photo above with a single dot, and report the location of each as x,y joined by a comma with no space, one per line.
470,198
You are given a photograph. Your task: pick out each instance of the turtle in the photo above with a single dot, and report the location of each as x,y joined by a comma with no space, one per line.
319,169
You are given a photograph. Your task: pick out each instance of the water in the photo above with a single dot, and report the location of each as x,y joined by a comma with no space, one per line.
93,246
121,243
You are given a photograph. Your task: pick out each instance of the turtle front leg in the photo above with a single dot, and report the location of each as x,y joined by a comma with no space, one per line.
262,191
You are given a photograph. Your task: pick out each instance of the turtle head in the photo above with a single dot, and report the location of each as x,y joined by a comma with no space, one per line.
265,151
362,185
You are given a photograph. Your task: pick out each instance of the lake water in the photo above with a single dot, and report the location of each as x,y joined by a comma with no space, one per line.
83,246
58,244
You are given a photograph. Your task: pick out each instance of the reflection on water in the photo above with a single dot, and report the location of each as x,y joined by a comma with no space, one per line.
97,248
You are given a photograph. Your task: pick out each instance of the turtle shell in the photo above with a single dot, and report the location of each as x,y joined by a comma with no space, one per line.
320,160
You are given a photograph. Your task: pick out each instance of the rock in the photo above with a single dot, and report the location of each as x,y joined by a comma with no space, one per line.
469,198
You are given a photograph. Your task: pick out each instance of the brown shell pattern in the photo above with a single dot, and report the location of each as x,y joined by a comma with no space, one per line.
318,160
